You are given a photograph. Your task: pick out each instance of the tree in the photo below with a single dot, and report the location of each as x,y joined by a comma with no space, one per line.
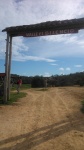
38,82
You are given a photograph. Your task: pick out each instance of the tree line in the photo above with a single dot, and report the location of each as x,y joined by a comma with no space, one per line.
52,81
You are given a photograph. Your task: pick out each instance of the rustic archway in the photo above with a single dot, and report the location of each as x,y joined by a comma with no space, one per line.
41,29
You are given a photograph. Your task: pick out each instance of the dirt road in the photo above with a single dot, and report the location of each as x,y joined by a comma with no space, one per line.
44,120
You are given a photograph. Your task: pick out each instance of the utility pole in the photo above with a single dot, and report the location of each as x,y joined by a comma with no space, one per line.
9,68
6,69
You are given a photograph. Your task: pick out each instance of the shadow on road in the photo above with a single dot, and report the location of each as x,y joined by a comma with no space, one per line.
44,134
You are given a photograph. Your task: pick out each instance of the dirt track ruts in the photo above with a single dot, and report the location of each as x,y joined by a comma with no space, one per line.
44,120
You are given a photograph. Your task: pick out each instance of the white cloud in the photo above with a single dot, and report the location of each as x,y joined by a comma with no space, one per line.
72,39
24,12
78,66
62,69
46,74
68,69
66,39
53,64
67,45
81,42
13,12
19,45
22,57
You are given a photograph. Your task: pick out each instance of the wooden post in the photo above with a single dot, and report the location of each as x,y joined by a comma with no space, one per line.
6,69
9,68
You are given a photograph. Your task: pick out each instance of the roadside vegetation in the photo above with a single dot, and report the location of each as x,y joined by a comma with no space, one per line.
82,108
14,96
42,83
23,87
55,80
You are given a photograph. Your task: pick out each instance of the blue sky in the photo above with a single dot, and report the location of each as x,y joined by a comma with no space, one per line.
44,55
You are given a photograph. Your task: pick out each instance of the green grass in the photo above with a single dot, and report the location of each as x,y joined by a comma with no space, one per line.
23,87
82,108
83,102
14,97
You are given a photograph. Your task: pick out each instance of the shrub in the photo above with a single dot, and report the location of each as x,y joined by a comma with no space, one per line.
38,82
